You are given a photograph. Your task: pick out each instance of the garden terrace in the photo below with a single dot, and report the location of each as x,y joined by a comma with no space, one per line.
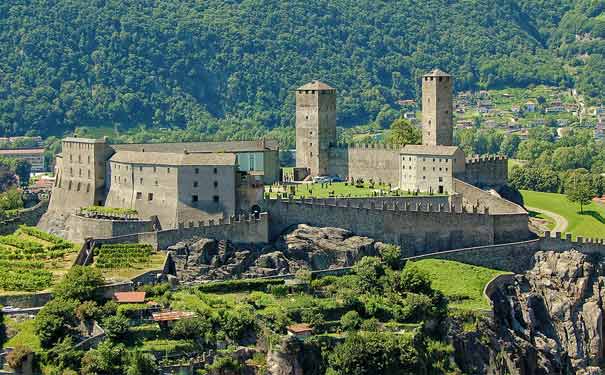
124,261
359,189
110,213
32,260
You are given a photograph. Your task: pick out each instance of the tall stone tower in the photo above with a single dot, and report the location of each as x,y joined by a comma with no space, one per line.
315,126
437,107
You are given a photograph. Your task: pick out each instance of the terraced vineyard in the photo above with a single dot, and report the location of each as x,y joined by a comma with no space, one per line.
31,260
127,260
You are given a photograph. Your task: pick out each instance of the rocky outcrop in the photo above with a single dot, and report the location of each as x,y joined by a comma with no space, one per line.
548,321
305,247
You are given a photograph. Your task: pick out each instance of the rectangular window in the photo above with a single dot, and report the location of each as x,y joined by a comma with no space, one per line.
215,184
140,169
150,196
79,186
440,179
194,198
156,182
168,170
139,195
215,199
197,171
141,180
195,184
215,170
155,169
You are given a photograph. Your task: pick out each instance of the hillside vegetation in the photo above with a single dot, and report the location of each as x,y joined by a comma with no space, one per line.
226,69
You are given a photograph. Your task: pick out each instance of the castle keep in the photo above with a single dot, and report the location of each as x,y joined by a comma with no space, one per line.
430,167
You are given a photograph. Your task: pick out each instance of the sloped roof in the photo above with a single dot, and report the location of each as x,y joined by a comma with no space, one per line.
201,147
430,150
300,328
129,297
437,73
167,158
316,85
172,315
22,151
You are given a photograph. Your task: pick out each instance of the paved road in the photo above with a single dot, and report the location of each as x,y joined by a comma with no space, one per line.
561,223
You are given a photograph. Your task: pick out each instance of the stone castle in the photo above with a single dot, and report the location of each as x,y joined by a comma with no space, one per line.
430,167
178,189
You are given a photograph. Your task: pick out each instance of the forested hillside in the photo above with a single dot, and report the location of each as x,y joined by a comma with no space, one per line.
227,68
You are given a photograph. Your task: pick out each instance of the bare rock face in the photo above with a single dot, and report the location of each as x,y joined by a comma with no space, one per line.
549,321
326,247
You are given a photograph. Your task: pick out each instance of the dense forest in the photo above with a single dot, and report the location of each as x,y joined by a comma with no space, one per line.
227,68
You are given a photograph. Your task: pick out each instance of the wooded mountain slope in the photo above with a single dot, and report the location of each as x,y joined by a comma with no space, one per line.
228,67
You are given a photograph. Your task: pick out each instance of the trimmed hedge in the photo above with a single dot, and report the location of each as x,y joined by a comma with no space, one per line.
239,285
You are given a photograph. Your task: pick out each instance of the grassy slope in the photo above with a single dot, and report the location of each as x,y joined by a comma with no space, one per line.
589,224
462,283
338,188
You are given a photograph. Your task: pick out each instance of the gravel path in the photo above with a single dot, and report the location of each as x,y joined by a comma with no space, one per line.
561,223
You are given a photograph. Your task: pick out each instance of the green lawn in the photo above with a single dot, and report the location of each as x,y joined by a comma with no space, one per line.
335,189
25,334
591,223
463,284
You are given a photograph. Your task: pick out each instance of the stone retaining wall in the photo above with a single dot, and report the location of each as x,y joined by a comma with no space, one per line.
28,216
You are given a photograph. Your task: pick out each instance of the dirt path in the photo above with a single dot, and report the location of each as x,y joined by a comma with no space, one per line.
561,223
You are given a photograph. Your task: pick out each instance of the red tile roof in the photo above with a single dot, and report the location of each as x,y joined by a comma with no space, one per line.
129,297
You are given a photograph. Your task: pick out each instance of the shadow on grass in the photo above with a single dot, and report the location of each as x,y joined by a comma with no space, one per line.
533,213
594,214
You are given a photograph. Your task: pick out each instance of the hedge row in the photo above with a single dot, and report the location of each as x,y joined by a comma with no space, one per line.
239,285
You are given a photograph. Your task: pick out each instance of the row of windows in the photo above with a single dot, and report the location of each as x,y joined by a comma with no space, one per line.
71,172
71,159
194,198
440,160
78,186
155,169
424,168
411,177
118,179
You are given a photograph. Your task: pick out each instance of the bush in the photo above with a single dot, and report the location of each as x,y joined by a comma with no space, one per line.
350,321
238,285
392,256
80,283
278,290
17,357
116,327
55,320
192,328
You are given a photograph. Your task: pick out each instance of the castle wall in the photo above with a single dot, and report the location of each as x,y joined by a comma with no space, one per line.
377,162
489,171
424,201
80,227
416,231
28,216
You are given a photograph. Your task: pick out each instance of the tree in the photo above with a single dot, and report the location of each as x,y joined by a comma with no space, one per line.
18,356
64,354
350,321
578,190
80,283
55,320
107,359
140,363
392,256
116,327
403,132
23,170
369,270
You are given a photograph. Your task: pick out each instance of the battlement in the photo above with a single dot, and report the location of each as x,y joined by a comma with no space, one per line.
381,205
579,240
231,220
377,146
485,159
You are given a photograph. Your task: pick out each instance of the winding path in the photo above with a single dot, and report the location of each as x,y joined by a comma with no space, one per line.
561,223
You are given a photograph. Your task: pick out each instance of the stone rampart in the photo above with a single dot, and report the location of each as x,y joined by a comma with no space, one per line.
243,229
28,216
416,229
379,162
487,171
81,227
412,201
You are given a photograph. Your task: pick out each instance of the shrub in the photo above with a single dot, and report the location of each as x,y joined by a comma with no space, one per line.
350,321
55,320
278,290
116,327
392,256
238,285
17,357
79,283
192,328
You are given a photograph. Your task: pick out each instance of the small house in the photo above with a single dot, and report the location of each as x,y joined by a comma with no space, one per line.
300,331
129,297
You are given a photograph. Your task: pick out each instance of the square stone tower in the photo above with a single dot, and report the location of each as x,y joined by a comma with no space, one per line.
437,108
315,126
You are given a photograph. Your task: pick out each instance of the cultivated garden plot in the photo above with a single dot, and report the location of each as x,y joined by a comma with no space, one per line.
32,260
122,261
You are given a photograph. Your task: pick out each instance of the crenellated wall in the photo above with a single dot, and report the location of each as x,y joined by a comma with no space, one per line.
80,227
370,161
488,171
243,229
416,228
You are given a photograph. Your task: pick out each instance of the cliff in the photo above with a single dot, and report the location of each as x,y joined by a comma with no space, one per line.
546,321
